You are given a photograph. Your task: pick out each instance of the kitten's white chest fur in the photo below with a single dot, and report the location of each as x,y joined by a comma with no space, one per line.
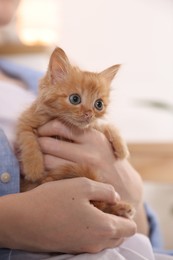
13,100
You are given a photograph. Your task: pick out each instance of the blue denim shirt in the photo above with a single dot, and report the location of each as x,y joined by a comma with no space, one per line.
9,167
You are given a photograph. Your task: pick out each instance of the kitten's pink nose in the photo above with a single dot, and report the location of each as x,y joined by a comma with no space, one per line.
88,114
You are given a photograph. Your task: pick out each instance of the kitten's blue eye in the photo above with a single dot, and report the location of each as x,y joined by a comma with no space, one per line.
75,99
99,104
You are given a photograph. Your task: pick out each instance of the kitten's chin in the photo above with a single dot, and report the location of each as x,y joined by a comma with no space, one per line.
82,125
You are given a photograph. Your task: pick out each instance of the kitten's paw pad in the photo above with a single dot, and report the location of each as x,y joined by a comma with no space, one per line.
124,210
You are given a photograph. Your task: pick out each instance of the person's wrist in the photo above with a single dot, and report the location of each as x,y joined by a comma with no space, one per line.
126,181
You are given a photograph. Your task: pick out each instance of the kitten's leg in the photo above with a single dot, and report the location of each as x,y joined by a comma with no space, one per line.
30,156
69,171
118,144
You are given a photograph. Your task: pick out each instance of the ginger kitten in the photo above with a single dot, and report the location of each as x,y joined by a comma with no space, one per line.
78,99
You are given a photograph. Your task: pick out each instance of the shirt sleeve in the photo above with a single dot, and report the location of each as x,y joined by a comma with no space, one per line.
155,234
9,168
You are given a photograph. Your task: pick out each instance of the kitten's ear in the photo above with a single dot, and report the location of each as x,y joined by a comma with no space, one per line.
110,73
59,66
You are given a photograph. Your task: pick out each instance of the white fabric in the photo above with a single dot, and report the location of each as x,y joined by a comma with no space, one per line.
163,257
13,100
137,247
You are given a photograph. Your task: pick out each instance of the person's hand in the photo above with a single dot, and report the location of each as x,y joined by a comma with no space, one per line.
90,147
58,217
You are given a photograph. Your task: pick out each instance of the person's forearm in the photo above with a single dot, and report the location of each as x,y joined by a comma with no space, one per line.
7,217
52,218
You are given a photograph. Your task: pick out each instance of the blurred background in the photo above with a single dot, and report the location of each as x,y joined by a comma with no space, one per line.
100,33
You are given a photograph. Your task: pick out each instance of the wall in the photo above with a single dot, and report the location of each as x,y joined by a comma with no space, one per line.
136,33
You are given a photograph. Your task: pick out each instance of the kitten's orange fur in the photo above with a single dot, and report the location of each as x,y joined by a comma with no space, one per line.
60,82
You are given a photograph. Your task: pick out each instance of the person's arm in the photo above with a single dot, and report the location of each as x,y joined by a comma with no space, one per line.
58,217
91,147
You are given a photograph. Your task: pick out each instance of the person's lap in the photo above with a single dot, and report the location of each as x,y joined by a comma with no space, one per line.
136,248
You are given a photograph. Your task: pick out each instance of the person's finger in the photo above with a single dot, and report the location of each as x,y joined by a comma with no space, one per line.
55,127
62,149
124,227
98,191
52,162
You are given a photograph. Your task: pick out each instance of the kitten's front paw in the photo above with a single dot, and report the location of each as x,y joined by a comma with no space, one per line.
33,169
124,209
118,144
121,151
34,177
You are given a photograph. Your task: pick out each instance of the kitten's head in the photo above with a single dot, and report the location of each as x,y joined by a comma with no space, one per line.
74,96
